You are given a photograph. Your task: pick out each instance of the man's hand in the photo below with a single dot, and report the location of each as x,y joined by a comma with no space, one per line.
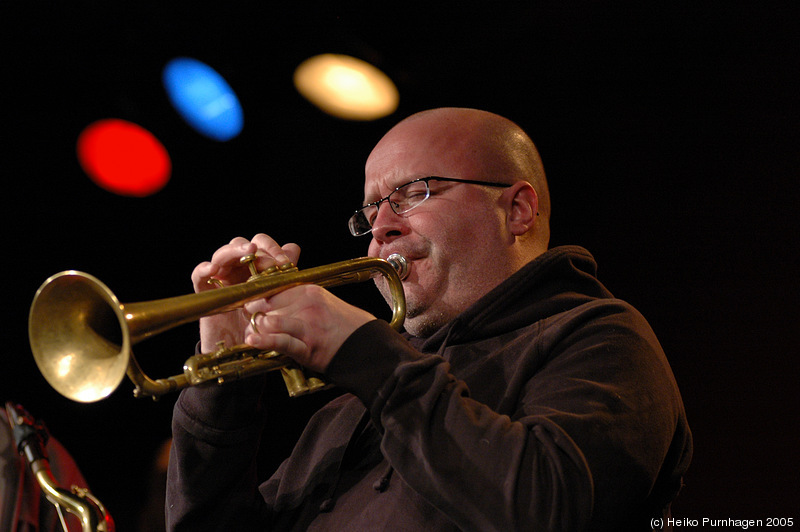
225,269
305,322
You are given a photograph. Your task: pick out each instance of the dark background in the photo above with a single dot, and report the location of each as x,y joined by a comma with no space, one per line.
669,134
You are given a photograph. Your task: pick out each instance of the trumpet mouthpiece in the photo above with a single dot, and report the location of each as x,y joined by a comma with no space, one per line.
399,263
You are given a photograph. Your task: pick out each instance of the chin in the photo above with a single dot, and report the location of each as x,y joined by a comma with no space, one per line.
420,320
425,325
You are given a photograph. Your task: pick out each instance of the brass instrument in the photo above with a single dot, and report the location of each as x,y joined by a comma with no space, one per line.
31,437
81,335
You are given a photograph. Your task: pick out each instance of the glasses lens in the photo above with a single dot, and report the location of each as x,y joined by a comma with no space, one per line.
409,196
401,201
361,222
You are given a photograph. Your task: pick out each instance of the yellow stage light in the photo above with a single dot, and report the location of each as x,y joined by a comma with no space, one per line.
346,87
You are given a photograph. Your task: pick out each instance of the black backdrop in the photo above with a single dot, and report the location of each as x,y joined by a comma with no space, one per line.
669,135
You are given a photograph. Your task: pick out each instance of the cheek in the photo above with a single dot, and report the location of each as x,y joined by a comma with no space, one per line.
454,240
373,248
463,246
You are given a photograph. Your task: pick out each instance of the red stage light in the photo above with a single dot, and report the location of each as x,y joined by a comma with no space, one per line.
123,158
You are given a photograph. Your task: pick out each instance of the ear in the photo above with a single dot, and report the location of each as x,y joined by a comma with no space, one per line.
522,208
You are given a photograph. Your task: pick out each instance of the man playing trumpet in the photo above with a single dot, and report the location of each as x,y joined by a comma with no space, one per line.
522,396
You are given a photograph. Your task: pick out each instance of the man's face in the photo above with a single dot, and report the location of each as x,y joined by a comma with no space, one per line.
452,240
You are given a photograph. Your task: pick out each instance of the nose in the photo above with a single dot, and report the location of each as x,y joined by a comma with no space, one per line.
387,225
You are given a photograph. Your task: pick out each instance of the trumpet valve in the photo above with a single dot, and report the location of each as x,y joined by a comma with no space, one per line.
250,261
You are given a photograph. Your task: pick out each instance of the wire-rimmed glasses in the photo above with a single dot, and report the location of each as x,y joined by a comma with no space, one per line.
403,199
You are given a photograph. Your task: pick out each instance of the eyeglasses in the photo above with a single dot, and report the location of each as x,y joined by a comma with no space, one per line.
403,199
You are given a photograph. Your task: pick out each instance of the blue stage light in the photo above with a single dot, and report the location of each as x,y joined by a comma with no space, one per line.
203,98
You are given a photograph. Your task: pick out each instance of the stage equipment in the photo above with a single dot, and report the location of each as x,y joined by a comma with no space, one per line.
30,437
81,335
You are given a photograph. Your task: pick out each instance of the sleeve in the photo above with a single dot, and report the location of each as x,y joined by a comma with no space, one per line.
557,462
212,477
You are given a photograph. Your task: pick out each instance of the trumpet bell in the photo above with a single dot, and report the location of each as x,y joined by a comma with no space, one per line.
92,362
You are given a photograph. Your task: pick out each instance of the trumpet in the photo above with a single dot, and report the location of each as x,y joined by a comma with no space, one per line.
81,336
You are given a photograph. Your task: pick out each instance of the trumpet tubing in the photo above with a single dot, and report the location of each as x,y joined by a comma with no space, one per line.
81,336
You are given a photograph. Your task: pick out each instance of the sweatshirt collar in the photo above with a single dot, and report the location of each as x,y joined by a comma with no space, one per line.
520,299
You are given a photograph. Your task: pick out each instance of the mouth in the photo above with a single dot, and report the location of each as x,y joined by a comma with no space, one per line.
402,259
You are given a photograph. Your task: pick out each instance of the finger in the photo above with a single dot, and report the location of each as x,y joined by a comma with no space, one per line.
201,274
229,254
277,333
268,323
281,304
269,253
282,254
283,343
292,251
267,244
259,305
